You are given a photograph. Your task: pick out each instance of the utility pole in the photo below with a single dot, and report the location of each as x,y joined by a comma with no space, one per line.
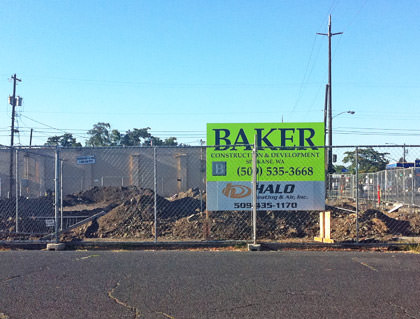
13,102
329,35
326,112
30,137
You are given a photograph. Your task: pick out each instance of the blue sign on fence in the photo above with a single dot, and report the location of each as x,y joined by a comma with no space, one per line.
89,159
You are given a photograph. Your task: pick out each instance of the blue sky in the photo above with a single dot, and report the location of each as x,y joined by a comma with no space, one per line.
174,66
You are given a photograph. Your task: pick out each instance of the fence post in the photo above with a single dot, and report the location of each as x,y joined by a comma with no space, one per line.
155,191
254,191
61,194
57,191
413,176
357,194
17,192
405,177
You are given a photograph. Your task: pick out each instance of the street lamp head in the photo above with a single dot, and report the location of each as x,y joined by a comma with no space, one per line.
349,112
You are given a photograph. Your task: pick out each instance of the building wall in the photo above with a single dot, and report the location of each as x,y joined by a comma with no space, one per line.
177,169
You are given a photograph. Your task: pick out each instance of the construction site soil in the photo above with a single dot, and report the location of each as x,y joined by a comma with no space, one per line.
183,217
128,213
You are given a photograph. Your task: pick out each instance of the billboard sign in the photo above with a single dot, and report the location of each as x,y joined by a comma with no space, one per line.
290,166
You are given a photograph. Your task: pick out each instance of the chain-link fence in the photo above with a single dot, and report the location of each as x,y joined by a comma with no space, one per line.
375,190
160,194
26,192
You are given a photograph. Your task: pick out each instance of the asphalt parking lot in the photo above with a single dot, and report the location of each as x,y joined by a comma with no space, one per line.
208,284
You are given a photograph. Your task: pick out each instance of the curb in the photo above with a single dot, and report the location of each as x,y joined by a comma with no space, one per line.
242,245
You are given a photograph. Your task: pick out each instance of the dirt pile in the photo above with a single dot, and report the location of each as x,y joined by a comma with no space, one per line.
374,224
100,194
181,217
134,216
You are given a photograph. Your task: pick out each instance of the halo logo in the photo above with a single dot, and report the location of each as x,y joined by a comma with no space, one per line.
236,191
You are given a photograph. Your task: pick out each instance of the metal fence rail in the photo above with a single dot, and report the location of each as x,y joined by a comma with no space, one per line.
159,194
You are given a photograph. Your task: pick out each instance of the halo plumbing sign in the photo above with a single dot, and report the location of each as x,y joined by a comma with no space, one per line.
290,166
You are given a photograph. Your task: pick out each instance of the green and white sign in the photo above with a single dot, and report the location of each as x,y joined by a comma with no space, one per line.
290,166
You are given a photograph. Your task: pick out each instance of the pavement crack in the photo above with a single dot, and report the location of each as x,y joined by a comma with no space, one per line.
165,315
133,309
404,310
365,264
41,269
86,257
9,279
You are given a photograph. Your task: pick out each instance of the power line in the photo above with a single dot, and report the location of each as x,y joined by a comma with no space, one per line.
380,128
49,126
305,75
168,84
173,113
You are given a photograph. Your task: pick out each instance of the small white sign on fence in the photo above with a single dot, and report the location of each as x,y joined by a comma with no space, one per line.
49,222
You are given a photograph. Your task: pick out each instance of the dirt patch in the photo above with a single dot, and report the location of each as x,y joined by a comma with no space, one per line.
131,215
180,217
134,217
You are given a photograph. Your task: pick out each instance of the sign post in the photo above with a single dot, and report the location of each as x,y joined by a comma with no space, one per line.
254,190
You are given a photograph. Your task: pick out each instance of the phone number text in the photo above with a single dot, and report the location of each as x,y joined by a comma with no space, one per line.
276,171
283,205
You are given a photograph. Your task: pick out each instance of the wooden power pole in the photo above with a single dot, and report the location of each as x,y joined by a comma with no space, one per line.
14,101
329,35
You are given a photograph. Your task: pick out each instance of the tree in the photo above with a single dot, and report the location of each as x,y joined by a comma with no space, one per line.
99,135
156,141
136,137
102,135
369,160
65,140
153,141
115,138
170,141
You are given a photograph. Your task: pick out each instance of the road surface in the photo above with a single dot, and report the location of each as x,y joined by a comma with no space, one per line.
185,284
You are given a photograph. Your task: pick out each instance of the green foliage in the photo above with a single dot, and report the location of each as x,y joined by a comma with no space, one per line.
99,135
136,137
156,141
102,135
171,141
369,160
115,137
65,140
